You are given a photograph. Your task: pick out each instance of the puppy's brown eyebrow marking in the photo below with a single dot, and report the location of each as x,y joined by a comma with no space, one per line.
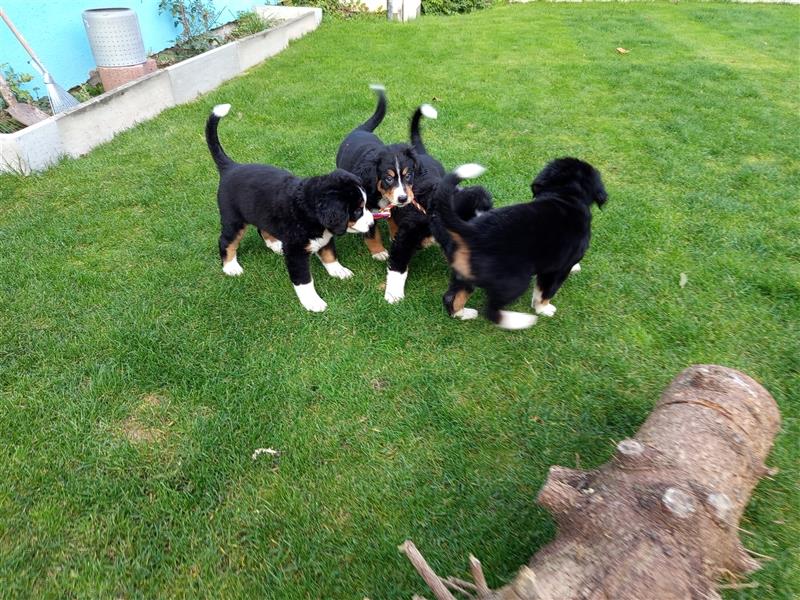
405,171
391,173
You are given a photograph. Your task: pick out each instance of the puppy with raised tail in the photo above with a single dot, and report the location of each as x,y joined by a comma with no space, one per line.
411,225
296,217
502,249
386,170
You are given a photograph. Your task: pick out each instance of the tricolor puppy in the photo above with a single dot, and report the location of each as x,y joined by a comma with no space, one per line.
411,225
386,171
501,250
295,217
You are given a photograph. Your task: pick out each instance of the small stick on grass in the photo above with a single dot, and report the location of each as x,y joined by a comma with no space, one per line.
429,575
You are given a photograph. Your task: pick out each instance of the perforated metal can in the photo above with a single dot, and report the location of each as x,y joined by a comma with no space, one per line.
114,36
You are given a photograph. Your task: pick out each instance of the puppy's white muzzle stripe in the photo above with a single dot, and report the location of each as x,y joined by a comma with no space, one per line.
398,191
364,222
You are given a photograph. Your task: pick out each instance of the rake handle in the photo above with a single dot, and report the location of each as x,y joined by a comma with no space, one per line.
21,39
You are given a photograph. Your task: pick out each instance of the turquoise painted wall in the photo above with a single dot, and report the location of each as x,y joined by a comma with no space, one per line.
54,29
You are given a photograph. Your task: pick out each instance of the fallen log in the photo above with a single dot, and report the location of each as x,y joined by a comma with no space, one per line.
660,521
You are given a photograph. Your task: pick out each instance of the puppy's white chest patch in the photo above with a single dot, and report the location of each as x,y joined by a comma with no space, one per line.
318,243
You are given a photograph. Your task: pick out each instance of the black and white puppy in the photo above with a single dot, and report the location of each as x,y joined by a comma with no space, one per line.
501,250
410,226
295,217
386,171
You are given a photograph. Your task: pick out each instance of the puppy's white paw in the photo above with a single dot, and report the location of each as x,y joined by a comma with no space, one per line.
315,304
548,310
465,314
275,245
395,286
381,256
391,298
232,268
515,320
309,298
336,269
575,268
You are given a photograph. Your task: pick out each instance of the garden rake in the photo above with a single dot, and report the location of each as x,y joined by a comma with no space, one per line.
60,99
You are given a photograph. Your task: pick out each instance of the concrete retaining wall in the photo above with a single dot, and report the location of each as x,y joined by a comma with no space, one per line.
77,131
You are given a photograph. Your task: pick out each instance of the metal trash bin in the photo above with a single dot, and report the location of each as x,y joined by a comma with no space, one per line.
115,37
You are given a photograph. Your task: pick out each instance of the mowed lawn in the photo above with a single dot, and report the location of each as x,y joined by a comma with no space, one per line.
136,380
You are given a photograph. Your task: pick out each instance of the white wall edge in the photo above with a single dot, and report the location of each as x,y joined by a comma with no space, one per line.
39,146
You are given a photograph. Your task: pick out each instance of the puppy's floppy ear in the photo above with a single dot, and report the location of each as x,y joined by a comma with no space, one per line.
332,214
549,177
591,183
599,190
331,207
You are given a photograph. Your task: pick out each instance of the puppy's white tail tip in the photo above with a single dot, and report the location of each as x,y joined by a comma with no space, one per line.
377,87
220,110
469,171
428,111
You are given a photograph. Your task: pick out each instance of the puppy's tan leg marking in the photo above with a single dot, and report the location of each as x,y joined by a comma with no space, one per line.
392,228
542,306
461,256
460,300
271,241
327,255
331,263
230,266
376,247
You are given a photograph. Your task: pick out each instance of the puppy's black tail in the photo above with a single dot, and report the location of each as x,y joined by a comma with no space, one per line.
443,199
380,110
426,110
212,139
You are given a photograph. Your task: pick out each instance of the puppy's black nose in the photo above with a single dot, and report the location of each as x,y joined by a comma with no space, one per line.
402,198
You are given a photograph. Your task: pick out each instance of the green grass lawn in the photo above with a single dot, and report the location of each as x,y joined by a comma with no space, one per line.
136,380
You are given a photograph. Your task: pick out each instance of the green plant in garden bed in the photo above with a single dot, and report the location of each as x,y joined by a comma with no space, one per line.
16,82
136,380
338,9
450,7
249,23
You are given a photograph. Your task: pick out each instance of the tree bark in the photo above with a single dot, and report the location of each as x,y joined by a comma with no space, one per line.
660,520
